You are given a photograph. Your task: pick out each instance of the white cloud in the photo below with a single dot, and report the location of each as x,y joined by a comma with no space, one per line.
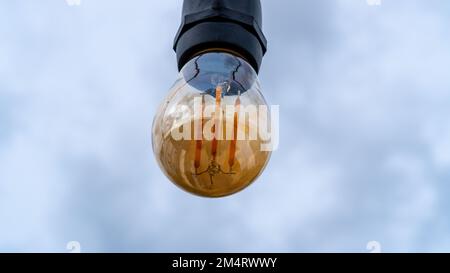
363,95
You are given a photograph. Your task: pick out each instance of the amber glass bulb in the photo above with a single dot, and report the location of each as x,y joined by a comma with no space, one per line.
204,132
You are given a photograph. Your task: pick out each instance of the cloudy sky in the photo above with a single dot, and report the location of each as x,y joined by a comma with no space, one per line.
364,95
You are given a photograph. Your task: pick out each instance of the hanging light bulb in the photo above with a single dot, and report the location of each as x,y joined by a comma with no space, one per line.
206,134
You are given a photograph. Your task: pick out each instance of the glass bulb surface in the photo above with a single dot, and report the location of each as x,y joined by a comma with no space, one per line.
203,134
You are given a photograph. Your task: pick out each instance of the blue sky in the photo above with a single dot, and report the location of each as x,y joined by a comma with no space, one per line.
364,154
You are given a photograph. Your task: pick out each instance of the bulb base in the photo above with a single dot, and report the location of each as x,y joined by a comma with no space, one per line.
227,24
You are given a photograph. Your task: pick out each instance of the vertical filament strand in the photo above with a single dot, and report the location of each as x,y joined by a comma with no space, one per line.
216,124
199,142
233,143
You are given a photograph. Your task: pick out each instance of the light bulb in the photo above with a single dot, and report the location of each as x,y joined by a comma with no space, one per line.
203,134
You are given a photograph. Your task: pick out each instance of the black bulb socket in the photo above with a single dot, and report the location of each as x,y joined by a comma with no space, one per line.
233,26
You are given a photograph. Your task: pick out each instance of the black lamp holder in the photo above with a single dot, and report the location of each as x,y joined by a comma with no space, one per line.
227,25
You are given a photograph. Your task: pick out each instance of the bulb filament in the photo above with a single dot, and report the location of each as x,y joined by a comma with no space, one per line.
199,142
233,143
214,168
